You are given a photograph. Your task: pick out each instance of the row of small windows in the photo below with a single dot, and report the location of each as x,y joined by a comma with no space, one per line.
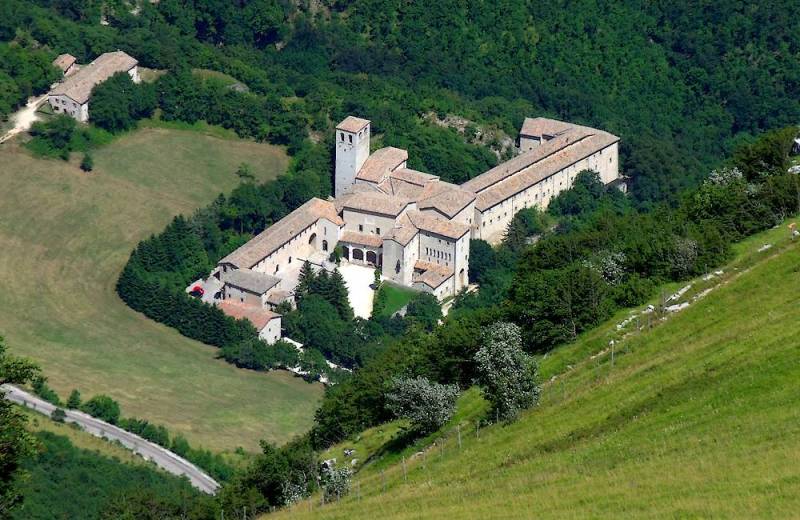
350,136
361,229
438,254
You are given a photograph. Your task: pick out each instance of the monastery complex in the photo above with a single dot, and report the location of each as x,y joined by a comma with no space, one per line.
411,225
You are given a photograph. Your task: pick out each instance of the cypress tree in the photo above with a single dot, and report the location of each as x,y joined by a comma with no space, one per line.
337,295
305,280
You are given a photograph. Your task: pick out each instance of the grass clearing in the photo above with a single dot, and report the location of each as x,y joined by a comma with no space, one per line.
64,237
698,417
396,298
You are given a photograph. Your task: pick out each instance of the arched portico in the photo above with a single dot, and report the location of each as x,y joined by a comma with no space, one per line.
358,254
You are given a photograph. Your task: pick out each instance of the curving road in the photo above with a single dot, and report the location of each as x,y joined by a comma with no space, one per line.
162,457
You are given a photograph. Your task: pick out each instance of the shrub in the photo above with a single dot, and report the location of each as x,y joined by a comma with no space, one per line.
58,415
74,400
424,309
507,376
102,407
87,164
41,389
428,405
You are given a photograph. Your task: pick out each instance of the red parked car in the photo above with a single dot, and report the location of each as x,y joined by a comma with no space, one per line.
197,291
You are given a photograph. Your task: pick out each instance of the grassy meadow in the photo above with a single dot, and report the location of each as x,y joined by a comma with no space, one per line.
698,416
64,237
396,298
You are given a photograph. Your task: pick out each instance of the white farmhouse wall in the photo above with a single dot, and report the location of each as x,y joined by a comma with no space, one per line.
134,74
66,105
272,332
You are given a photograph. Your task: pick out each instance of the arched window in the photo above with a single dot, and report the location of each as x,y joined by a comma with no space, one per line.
397,267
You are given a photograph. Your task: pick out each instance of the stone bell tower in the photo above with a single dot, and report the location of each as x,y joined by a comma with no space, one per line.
352,149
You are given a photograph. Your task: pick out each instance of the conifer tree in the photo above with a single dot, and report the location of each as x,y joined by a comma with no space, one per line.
338,296
305,280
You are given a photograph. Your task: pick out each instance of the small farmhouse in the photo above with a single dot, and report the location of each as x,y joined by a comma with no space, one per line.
66,63
71,96
266,322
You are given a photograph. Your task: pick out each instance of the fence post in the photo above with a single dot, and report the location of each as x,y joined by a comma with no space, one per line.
383,477
612,353
459,436
405,474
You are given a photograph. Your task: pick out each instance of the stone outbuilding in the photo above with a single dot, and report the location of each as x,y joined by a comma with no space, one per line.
72,95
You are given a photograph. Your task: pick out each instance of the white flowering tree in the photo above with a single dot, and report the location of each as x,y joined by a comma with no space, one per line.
427,405
336,482
506,374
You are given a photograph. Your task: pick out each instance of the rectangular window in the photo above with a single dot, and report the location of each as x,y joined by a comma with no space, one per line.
378,230
361,227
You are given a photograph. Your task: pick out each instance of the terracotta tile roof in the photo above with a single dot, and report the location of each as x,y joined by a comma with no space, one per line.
539,126
78,86
352,124
552,163
381,163
362,239
413,176
258,316
252,281
272,238
445,228
402,233
375,203
444,197
432,275
398,188
64,61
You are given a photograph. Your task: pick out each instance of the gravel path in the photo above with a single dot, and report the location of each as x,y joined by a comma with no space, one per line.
24,117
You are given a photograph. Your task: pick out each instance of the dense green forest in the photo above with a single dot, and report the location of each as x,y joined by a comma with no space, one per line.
681,83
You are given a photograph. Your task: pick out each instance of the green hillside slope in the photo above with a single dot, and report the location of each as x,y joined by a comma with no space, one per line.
699,416
65,236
